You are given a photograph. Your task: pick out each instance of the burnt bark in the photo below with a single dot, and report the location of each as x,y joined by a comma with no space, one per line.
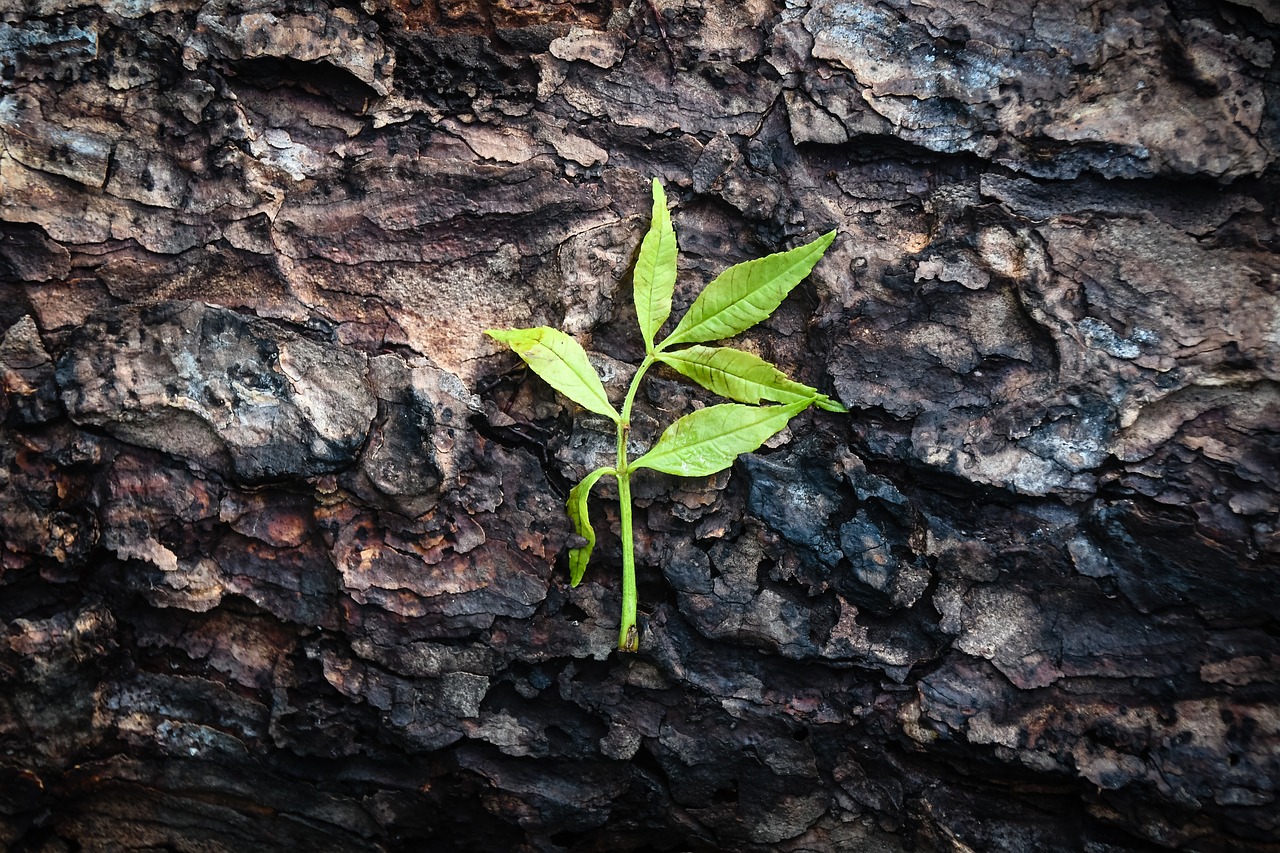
282,543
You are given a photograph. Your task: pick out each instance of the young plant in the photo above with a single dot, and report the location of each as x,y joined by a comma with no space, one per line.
703,442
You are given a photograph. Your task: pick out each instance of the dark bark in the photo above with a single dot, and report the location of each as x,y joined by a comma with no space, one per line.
281,533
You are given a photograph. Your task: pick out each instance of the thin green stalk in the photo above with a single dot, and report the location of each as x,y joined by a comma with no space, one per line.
628,635
635,386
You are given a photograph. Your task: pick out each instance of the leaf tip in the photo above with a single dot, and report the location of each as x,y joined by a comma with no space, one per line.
504,335
659,200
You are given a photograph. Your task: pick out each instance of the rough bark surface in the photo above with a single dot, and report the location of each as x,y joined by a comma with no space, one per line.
282,544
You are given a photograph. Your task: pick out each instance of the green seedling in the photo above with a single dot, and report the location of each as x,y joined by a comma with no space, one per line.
703,442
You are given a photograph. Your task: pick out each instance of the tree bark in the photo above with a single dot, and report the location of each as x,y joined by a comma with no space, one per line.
282,536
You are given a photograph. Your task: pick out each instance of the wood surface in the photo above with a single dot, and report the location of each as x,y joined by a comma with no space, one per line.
282,537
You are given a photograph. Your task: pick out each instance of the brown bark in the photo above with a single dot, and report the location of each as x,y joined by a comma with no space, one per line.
281,533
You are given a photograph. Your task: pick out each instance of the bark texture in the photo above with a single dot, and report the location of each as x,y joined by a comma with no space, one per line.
281,533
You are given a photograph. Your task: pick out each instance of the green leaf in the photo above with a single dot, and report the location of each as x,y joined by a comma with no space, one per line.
745,294
742,376
561,361
577,507
655,275
708,440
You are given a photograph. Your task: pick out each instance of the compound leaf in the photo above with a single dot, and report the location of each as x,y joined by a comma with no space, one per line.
745,294
708,440
655,274
742,376
561,361
577,507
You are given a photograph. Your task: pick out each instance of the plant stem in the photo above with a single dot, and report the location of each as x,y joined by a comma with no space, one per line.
635,386
628,634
